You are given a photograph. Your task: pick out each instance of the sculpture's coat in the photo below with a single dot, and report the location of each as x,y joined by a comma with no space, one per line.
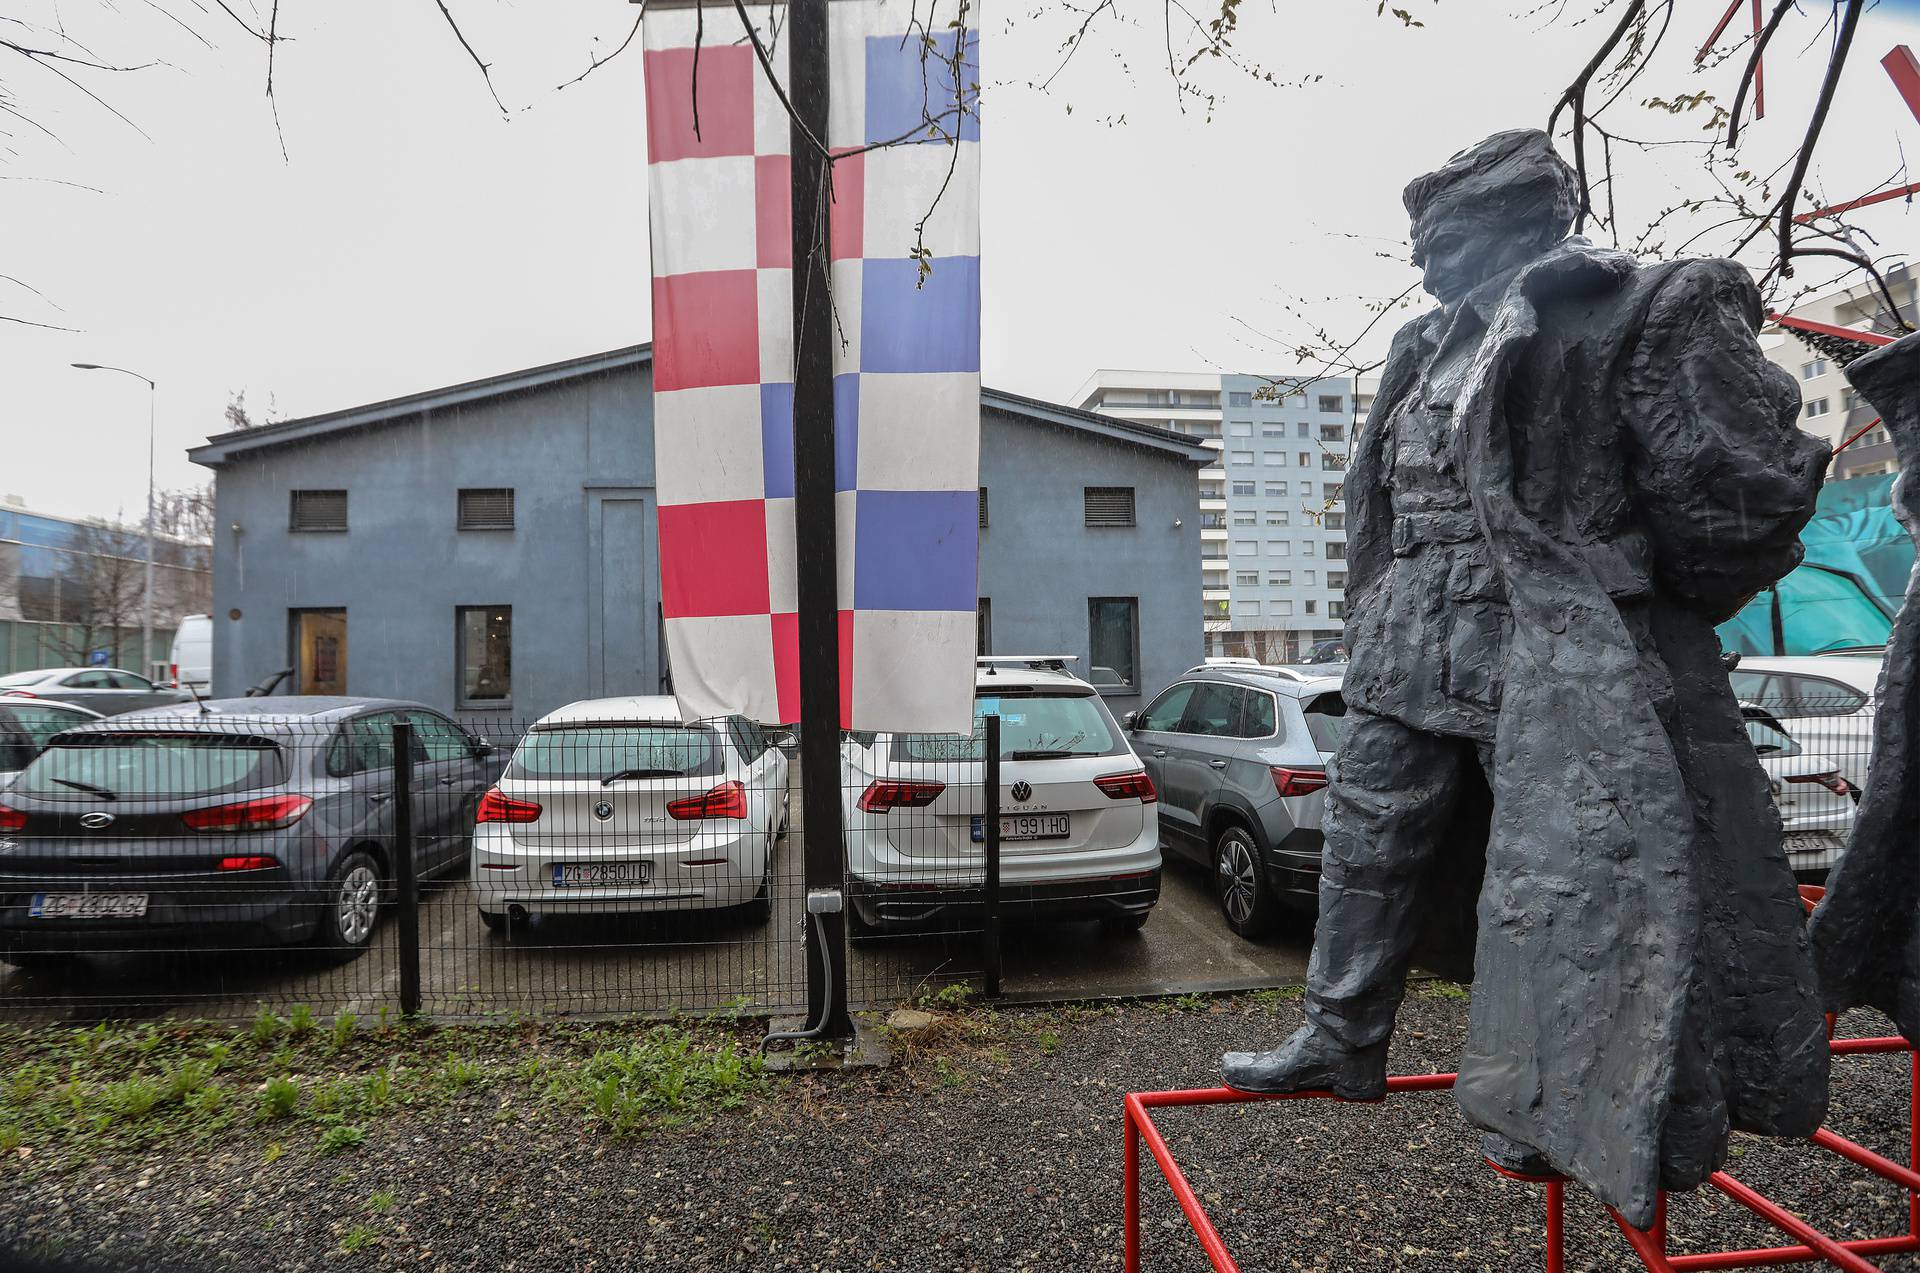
1642,979
1866,932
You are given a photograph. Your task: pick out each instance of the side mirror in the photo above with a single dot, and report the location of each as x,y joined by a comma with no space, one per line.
482,749
1130,722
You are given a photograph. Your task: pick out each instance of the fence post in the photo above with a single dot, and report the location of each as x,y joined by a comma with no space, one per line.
990,830
408,899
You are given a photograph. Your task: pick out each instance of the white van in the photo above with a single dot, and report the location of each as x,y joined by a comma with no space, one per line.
192,663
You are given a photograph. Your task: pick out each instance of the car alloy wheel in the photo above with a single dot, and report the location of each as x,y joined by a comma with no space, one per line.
1239,889
358,903
1240,882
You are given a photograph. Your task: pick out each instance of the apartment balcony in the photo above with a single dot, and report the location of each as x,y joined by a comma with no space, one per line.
1213,531
1215,594
1213,503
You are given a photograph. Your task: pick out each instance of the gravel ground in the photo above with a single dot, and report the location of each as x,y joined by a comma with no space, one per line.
993,1144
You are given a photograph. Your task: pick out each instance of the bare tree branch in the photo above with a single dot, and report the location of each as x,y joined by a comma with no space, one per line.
595,63
461,36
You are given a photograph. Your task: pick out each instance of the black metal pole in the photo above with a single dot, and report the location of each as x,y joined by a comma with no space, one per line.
990,829
815,547
408,901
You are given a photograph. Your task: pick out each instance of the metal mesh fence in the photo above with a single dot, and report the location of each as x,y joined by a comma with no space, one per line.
218,865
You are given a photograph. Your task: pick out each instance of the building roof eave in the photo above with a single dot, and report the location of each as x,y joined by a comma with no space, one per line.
225,447
222,447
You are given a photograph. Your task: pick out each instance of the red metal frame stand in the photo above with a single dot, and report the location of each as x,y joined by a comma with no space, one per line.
1808,1244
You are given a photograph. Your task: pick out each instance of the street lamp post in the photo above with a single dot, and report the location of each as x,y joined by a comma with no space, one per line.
146,608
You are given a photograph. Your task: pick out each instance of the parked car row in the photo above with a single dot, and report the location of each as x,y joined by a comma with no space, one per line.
273,820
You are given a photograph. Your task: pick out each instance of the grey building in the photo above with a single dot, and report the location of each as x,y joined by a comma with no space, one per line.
1273,566
489,548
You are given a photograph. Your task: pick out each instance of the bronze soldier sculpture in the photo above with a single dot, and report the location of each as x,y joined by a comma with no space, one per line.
1866,934
1572,471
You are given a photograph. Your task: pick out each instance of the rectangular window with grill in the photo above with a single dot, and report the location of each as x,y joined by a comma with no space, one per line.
486,508
1331,402
983,509
319,510
1109,505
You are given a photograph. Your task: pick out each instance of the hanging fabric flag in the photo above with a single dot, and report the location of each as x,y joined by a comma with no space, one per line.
905,265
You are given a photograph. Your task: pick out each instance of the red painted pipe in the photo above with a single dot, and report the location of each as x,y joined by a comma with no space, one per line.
1643,1246
1780,1218
1768,1256
1183,1192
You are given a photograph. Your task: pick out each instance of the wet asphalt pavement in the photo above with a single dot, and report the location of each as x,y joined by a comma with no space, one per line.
692,962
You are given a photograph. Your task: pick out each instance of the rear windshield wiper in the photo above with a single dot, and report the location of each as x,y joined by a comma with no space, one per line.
1044,754
87,787
612,778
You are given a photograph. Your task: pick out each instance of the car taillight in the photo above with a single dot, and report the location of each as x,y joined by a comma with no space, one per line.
265,814
1298,782
12,819
18,694
495,807
1831,781
1128,786
883,794
248,863
728,800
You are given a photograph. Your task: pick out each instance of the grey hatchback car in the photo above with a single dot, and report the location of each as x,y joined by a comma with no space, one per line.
1239,756
254,821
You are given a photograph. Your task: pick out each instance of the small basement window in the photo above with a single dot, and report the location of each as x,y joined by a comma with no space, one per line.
1109,505
486,508
318,510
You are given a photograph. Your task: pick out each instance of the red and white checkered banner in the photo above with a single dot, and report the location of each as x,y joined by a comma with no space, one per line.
906,302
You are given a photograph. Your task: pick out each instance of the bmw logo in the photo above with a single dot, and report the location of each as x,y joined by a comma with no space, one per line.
1021,792
603,809
95,820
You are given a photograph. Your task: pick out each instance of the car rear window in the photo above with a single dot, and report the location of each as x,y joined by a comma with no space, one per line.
151,766
596,751
1326,721
1032,726
1769,739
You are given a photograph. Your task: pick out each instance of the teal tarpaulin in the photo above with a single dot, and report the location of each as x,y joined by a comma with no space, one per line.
1846,591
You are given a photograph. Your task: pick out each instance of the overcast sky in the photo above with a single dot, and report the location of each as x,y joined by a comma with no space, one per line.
414,237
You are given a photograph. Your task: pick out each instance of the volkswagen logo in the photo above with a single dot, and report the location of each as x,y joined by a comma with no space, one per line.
95,820
1021,792
603,809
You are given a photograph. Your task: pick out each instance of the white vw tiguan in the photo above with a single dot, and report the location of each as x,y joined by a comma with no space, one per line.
1078,835
613,806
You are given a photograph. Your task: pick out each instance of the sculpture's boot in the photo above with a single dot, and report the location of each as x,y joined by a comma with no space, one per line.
1310,1061
1511,1155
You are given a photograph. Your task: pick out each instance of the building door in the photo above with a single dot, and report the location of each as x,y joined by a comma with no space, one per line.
319,640
621,655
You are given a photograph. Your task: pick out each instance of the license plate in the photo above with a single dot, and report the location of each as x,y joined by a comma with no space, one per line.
1027,826
88,905
1812,842
600,874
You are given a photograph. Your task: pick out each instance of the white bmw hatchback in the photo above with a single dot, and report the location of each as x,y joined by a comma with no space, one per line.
1078,831
614,806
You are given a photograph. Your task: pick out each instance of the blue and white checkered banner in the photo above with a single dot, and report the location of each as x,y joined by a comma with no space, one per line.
905,268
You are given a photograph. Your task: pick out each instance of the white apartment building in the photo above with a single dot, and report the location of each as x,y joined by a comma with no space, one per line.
1828,406
1272,533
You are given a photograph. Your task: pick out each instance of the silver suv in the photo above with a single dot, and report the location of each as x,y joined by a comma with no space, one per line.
1239,756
